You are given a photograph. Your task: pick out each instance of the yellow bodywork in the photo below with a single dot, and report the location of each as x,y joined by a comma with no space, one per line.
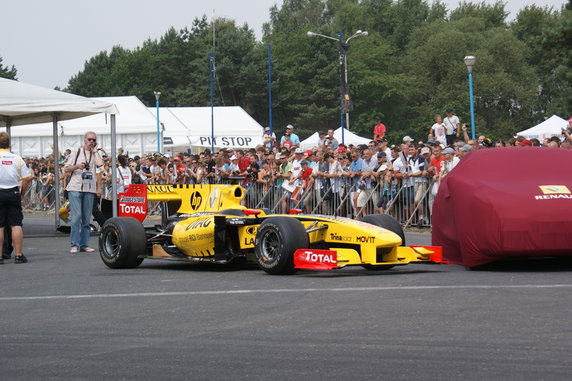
198,198
356,243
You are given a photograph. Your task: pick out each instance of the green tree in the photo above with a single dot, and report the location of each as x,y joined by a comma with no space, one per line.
7,72
504,83
557,39
94,80
532,26
409,68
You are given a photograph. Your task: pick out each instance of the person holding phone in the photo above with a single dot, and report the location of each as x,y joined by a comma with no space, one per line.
81,165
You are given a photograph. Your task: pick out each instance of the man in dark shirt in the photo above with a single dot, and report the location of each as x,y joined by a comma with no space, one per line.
210,166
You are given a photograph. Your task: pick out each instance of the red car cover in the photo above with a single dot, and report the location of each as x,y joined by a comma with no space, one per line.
505,202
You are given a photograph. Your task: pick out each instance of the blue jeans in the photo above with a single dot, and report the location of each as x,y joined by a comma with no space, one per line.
81,204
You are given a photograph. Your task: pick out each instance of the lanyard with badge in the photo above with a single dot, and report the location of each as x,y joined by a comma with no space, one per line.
87,174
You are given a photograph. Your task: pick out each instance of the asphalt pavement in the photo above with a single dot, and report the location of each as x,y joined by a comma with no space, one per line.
70,317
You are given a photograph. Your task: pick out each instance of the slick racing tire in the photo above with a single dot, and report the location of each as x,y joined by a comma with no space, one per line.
276,241
387,222
121,241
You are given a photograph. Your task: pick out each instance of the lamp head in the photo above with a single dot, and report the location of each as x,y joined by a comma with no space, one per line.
470,62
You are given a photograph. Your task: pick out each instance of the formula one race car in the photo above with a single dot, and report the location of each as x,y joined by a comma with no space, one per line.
210,225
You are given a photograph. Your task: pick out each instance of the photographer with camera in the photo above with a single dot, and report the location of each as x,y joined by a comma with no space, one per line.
82,186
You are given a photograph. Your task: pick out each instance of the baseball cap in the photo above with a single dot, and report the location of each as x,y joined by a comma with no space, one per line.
177,158
341,149
525,143
431,141
460,144
448,110
267,129
569,120
425,150
304,162
377,118
407,139
308,153
321,133
233,157
448,150
299,150
291,127
381,154
466,148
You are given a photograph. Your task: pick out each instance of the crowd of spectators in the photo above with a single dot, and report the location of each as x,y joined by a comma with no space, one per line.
331,178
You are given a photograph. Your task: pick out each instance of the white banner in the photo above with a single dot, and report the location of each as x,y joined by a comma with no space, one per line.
226,141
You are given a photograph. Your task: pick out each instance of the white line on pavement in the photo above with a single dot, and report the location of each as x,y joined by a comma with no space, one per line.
283,290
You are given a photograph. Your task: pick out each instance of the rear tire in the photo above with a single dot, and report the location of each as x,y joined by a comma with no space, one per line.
276,241
387,222
121,241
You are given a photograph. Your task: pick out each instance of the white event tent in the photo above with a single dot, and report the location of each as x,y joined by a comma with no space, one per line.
349,138
186,127
550,127
136,131
23,106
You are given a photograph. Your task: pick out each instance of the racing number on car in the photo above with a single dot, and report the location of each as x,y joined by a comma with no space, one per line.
196,200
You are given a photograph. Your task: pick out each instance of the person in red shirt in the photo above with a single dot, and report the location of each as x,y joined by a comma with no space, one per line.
434,170
243,161
378,129
437,160
287,142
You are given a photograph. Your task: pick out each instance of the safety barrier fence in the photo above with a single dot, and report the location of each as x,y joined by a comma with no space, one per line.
344,197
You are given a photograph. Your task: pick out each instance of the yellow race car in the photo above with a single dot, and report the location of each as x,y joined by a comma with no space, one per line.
206,223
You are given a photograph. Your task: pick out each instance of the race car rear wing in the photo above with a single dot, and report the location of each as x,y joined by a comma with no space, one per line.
193,198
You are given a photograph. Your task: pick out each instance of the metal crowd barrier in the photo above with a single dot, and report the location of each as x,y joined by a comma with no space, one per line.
338,197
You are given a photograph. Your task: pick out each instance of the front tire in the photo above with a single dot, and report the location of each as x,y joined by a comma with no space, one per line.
387,222
121,241
276,241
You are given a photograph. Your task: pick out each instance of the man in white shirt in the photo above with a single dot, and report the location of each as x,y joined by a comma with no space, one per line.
269,138
368,167
450,162
452,127
13,170
82,187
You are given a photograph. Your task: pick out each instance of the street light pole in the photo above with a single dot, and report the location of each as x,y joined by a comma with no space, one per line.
343,50
470,62
342,60
359,33
157,95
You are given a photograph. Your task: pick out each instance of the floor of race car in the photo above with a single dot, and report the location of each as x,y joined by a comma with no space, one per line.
69,316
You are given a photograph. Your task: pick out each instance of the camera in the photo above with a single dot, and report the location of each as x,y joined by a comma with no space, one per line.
86,166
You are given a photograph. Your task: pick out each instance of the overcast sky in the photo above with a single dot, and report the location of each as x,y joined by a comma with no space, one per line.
49,41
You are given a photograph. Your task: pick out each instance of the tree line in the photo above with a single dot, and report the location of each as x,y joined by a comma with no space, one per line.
408,69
